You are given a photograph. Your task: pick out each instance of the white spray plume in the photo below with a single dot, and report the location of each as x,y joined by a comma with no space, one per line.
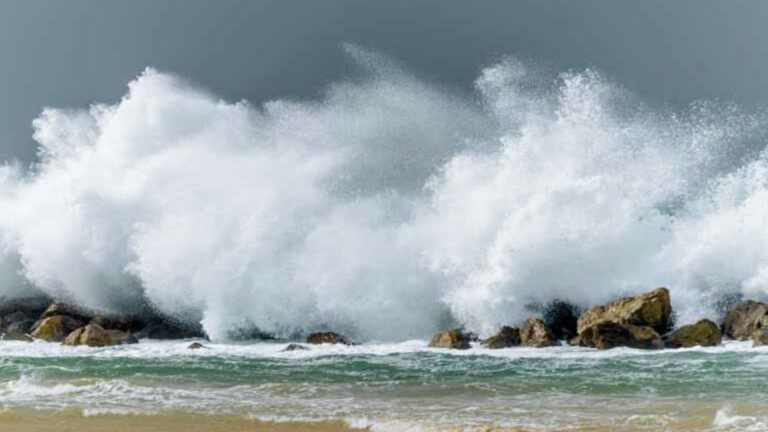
388,204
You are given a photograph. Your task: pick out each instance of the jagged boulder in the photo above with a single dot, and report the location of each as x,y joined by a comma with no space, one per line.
744,319
327,338
653,309
610,335
55,328
94,335
535,333
505,338
453,339
703,333
760,337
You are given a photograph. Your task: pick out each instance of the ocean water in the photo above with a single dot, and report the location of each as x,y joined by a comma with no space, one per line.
398,387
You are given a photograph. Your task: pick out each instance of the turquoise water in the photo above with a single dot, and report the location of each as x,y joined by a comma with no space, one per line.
389,385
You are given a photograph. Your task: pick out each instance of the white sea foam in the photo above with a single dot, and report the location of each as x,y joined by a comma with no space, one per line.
388,206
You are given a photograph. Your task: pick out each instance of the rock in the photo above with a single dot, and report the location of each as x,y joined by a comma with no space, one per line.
453,339
535,333
196,345
703,333
94,335
744,319
610,335
168,330
66,309
562,318
16,336
652,309
327,338
20,321
295,347
55,328
113,323
33,306
507,337
760,337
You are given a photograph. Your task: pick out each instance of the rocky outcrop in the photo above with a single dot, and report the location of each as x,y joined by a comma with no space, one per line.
55,328
452,339
16,336
703,333
505,338
327,338
19,315
535,333
760,337
653,309
196,345
66,309
611,335
94,335
165,330
742,321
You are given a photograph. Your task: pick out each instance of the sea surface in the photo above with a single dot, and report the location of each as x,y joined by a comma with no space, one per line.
387,387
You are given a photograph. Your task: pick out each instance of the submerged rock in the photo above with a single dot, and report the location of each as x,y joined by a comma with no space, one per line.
452,339
94,335
535,333
760,337
55,328
703,333
16,336
295,347
611,335
196,345
327,338
744,319
507,337
653,309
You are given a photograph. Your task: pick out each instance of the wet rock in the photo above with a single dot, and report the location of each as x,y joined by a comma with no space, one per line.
16,336
760,337
196,345
66,309
168,330
327,338
94,335
507,337
452,339
703,333
33,306
535,333
562,318
295,347
610,335
652,309
55,328
113,323
744,319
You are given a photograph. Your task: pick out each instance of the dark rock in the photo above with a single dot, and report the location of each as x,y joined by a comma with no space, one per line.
505,338
114,323
196,345
535,333
295,347
327,338
169,330
55,328
760,337
703,333
611,335
33,306
452,339
66,309
562,318
16,336
744,319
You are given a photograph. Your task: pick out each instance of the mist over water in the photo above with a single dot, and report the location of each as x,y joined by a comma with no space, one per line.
389,206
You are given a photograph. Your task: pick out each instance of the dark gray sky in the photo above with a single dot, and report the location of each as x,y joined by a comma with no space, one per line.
70,53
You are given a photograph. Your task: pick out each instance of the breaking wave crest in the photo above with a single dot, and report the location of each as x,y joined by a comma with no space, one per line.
388,206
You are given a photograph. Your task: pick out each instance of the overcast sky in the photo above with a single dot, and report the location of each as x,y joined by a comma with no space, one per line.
70,53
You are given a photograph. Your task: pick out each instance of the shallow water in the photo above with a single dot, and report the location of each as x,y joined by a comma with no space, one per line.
395,386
